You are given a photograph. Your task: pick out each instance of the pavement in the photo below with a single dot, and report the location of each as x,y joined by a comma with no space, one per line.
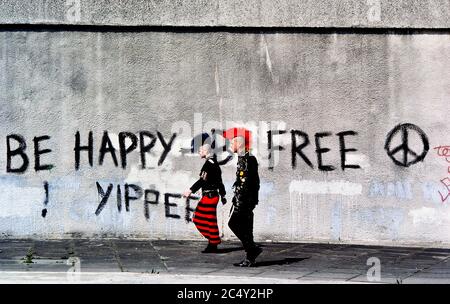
179,262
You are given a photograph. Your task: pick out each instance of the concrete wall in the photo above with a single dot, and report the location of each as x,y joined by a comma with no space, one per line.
231,13
60,81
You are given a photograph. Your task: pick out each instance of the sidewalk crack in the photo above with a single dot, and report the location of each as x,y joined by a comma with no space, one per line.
115,251
425,268
160,257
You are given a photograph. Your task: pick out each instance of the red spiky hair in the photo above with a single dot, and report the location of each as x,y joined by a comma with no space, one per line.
239,132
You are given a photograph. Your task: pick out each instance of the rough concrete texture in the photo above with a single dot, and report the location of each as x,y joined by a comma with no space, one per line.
231,13
56,83
162,262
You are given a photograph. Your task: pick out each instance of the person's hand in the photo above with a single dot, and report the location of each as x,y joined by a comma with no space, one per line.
224,200
187,193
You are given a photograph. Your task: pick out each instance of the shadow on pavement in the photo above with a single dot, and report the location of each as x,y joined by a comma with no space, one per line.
285,261
227,250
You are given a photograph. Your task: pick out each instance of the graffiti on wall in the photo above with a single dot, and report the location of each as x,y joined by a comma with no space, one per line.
403,155
133,192
116,150
444,153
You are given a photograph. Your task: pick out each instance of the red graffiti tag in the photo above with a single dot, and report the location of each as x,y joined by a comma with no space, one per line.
444,152
446,183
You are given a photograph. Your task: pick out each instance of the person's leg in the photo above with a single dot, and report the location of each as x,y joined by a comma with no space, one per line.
236,225
205,220
239,224
253,250
214,231
233,223
246,224
242,225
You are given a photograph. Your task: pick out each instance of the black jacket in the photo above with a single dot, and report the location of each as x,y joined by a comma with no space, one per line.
210,177
246,186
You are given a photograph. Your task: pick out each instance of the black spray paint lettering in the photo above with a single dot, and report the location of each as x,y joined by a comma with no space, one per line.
119,199
224,148
343,149
103,197
169,204
166,146
89,148
133,192
272,148
148,202
38,153
106,147
320,151
128,197
217,150
20,151
124,149
146,148
189,209
297,149
44,211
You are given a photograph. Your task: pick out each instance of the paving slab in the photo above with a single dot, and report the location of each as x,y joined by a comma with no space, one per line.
279,262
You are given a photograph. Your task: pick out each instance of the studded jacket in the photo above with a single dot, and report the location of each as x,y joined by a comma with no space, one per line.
246,186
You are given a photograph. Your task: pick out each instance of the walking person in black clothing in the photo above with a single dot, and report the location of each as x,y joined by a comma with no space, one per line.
210,181
245,198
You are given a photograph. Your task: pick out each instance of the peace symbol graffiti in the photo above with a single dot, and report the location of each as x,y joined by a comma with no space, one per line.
402,155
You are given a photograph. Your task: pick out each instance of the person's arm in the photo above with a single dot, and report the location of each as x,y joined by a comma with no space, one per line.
254,181
197,185
222,191
200,182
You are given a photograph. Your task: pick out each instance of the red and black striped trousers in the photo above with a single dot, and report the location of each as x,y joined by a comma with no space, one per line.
205,219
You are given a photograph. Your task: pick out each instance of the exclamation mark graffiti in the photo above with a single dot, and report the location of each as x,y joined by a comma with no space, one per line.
44,211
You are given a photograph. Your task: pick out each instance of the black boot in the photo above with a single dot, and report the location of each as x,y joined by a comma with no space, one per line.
244,263
254,253
250,258
211,248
